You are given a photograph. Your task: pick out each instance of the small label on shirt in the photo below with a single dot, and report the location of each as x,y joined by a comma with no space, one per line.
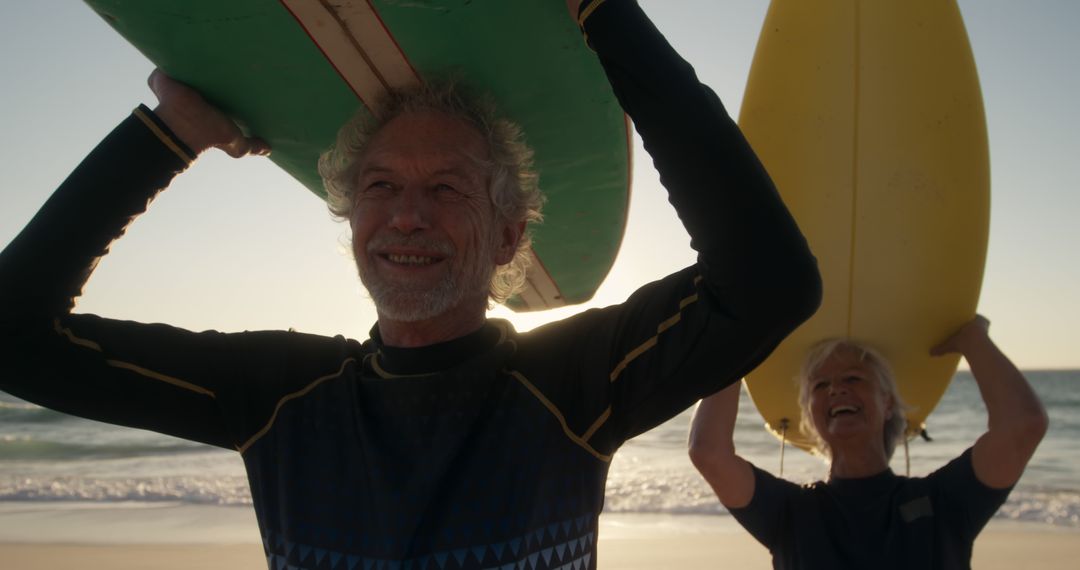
916,509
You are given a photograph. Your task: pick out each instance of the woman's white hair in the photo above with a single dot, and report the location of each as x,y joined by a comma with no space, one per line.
514,191
895,425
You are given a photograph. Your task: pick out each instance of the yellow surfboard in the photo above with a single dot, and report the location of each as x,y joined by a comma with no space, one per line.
868,116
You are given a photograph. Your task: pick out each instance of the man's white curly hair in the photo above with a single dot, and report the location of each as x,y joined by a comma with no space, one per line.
514,191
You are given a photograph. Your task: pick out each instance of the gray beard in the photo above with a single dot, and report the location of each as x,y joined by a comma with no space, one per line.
468,277
404,305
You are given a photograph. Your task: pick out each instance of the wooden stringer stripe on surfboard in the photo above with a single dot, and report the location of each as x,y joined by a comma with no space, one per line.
357,45
365,54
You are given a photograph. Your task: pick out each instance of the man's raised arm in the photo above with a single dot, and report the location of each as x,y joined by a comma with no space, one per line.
115,371
698,330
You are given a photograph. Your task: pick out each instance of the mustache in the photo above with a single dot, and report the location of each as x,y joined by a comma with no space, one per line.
384,241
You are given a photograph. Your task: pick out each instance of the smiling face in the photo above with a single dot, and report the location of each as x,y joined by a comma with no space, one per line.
425,235
847,403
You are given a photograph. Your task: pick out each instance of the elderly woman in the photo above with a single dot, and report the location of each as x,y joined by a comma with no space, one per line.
863,515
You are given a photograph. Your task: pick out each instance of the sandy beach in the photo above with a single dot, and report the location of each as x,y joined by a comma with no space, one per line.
640,542
627,542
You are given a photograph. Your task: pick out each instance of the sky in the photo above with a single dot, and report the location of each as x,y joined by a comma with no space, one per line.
238,245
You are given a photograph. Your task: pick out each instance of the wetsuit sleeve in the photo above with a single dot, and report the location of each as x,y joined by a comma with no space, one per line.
148,376
766,516
965,502
755,280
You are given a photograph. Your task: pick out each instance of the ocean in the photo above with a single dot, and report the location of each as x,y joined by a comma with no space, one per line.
51,461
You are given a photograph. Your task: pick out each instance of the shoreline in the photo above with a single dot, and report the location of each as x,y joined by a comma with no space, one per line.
172,537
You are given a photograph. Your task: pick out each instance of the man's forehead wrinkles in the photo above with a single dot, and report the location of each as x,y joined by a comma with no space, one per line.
441,164
434,160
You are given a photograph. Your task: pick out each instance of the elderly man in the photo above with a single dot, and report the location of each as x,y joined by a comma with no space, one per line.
446,440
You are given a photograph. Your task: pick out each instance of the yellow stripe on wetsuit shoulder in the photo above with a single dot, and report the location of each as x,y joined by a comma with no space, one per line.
597,424
580,441
289,397
590,7
164,137
651,342
85,343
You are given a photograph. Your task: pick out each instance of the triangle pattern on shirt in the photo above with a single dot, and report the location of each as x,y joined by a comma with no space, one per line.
546,548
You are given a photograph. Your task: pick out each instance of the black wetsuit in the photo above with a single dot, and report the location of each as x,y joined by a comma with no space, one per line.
885,521
488,451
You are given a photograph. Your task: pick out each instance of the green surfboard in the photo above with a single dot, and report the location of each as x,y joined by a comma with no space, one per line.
293,71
